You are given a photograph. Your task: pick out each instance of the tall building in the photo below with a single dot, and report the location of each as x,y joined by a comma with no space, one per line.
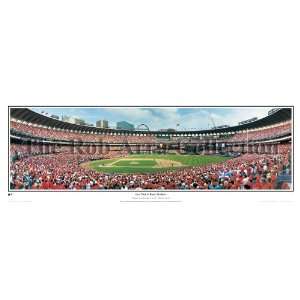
125,125
102,124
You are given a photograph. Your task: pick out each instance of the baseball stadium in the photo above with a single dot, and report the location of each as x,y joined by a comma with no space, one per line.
62,153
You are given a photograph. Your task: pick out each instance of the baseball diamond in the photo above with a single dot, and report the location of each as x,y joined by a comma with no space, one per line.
151,163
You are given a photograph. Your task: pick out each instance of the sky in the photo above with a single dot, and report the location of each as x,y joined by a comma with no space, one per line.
188,118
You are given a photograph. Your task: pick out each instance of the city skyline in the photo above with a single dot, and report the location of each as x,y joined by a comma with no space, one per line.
181,118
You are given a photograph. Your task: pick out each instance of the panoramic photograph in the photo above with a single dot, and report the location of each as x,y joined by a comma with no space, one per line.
150,148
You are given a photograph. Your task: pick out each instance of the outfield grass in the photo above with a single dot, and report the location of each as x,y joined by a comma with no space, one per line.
187,160
135,162
148,163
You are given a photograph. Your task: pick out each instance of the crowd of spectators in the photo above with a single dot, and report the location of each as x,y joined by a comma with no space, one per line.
20,151
64,135
284,148
24,150
53,166
64,171
262,134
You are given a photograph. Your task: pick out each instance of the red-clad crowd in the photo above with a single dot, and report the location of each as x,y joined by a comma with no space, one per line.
64,171
23,150
56,134
37,131
262,134
52,166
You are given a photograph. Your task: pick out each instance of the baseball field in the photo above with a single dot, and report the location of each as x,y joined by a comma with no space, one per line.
151,163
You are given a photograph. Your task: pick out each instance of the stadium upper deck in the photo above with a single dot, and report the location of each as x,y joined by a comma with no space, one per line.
26,123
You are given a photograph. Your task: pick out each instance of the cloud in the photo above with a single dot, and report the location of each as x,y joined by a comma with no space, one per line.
188,118
166,117
155,118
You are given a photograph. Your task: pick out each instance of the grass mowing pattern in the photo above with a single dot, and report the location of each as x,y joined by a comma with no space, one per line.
147,163
135,162
187,160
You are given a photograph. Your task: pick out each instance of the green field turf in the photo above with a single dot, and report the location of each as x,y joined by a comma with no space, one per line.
135,162
148,163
